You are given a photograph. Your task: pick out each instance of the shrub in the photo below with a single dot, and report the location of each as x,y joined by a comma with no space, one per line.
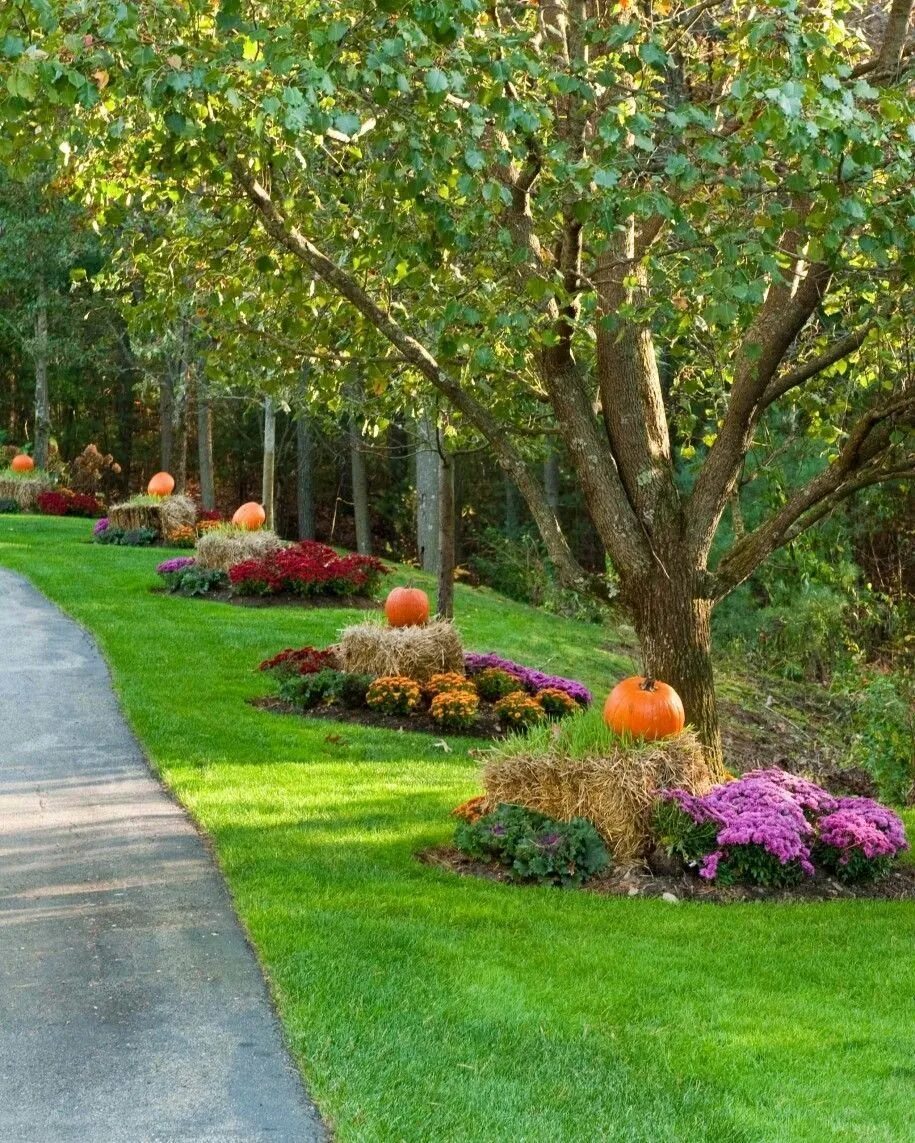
533,847
493,683
471,810
448,681
307,691
300,661
94,472
8,506
884,726
394,694
64,502
859,840
771,828
531,680
455,710
519,709
556,703
307,568
351,690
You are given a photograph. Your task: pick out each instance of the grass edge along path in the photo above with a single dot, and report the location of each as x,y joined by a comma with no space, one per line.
421,1005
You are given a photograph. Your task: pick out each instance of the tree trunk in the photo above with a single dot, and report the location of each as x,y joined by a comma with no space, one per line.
205,445
179,458
512,515
446,537
427,494
269,471
166,418
42,398
551,480
305,488
360,489
673,626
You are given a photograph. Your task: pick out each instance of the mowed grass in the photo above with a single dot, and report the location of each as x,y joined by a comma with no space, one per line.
424,1006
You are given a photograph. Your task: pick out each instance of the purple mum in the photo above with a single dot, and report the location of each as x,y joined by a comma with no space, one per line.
530,679
176,564
863,826
100,526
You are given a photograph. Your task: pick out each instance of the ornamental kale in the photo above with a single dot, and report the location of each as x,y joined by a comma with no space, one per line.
533,847
530,679
183,577
773,828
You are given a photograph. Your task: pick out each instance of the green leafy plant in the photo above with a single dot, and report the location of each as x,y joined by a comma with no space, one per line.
9,507
884,732
534,847
307,691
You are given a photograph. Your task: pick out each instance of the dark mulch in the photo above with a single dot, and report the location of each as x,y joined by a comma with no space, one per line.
643,881
487,726
288,599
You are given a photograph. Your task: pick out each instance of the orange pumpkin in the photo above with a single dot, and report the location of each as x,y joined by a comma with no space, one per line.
162,484
250,516
407,607
22,463
644,708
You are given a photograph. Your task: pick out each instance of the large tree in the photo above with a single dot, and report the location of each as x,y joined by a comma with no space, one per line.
663,225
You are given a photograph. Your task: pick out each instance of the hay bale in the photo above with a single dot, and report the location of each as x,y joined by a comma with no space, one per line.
162,515
222,548
25,490
417,652
614,786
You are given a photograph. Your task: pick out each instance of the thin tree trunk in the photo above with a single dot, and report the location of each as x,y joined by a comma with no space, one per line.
674,628
551,480
360,489
180,447
42,398
427,494
305,489
512,522
269,471
167,418
446,536
205,445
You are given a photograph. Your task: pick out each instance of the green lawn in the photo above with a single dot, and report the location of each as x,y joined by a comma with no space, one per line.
423,1006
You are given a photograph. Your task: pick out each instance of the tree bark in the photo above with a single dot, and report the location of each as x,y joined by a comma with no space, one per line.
205,445
512,514
673,623
360,489
551,480
305,489
446,536
269,469
42,398
180,427
166,418
427,495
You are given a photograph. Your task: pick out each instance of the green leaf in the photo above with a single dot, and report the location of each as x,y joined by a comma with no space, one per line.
436,80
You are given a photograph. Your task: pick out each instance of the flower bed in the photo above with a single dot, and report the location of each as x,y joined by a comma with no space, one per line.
65,502
310,680
530,679
303,572
774,829
307,568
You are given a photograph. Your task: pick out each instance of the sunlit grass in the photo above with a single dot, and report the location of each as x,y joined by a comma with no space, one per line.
423,1006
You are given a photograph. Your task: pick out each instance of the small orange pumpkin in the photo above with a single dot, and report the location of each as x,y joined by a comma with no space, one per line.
22,463
250,516
162,484
644,708
407,607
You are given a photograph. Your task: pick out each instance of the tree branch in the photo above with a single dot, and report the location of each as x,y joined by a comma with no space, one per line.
782,384
856,466
416,354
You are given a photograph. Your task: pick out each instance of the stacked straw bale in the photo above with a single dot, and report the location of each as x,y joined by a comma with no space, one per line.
417,652
220,549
